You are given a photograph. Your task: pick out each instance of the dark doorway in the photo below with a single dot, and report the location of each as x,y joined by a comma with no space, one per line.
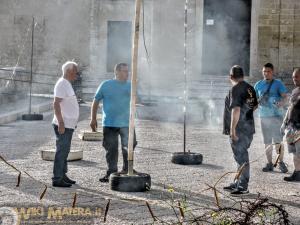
226,36
118,43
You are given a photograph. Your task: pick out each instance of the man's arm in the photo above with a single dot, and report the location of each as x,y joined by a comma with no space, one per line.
285,118
94,108
283,93
255,100
58,115
284,122
235,116
283,101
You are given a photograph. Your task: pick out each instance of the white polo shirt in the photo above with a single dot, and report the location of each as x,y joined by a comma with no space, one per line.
69,105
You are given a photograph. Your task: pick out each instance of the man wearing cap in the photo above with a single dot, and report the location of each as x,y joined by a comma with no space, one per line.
239,124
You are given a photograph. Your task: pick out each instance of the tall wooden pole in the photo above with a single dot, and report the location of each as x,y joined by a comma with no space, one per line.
135,45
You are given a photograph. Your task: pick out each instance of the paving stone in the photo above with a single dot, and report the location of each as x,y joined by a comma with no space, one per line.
24,140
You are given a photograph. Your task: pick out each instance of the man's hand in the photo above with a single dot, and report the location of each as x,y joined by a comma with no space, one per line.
283,102
235,116
94,125
61,128
280,104
94,108
233,136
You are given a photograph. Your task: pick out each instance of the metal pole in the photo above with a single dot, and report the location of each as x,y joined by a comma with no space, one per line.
279,36
185,76
133,85
31,63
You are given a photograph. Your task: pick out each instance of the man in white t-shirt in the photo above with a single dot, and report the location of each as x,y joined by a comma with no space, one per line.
66,113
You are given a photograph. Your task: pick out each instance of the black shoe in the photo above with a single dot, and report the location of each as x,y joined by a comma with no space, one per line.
104,179
68,180
294,177
60,183
268,168
230,187
282,167
239,191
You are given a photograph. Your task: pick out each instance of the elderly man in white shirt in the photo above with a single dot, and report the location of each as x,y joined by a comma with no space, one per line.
66,114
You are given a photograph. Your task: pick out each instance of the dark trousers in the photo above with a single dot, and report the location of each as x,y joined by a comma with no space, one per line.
63,146
111,145
241,156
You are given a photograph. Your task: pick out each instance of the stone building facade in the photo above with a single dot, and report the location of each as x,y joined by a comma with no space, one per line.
97,34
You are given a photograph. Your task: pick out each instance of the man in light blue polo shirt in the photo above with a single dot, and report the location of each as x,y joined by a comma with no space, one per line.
115,95
272,96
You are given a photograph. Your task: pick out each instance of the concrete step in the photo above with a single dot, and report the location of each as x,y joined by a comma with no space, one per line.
14,110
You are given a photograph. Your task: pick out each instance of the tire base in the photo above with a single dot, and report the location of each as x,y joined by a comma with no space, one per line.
31,117
187,158
139,182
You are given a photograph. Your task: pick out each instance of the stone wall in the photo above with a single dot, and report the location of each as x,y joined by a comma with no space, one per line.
77,30
119,10
61,33
14,84
277,37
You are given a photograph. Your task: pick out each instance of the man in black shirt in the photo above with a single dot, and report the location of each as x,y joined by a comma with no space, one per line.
292,119
239,124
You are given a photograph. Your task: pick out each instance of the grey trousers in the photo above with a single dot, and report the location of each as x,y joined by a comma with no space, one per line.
241,156
111,145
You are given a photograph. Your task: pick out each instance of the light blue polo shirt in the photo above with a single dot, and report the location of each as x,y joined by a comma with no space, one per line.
277,88
115,95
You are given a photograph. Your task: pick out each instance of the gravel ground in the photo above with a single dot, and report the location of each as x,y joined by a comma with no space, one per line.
22,141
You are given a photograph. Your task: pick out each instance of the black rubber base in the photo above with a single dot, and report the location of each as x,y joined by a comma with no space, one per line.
139,182
31,117
187,158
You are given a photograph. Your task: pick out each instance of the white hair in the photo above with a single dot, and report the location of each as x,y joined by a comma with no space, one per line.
68,65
